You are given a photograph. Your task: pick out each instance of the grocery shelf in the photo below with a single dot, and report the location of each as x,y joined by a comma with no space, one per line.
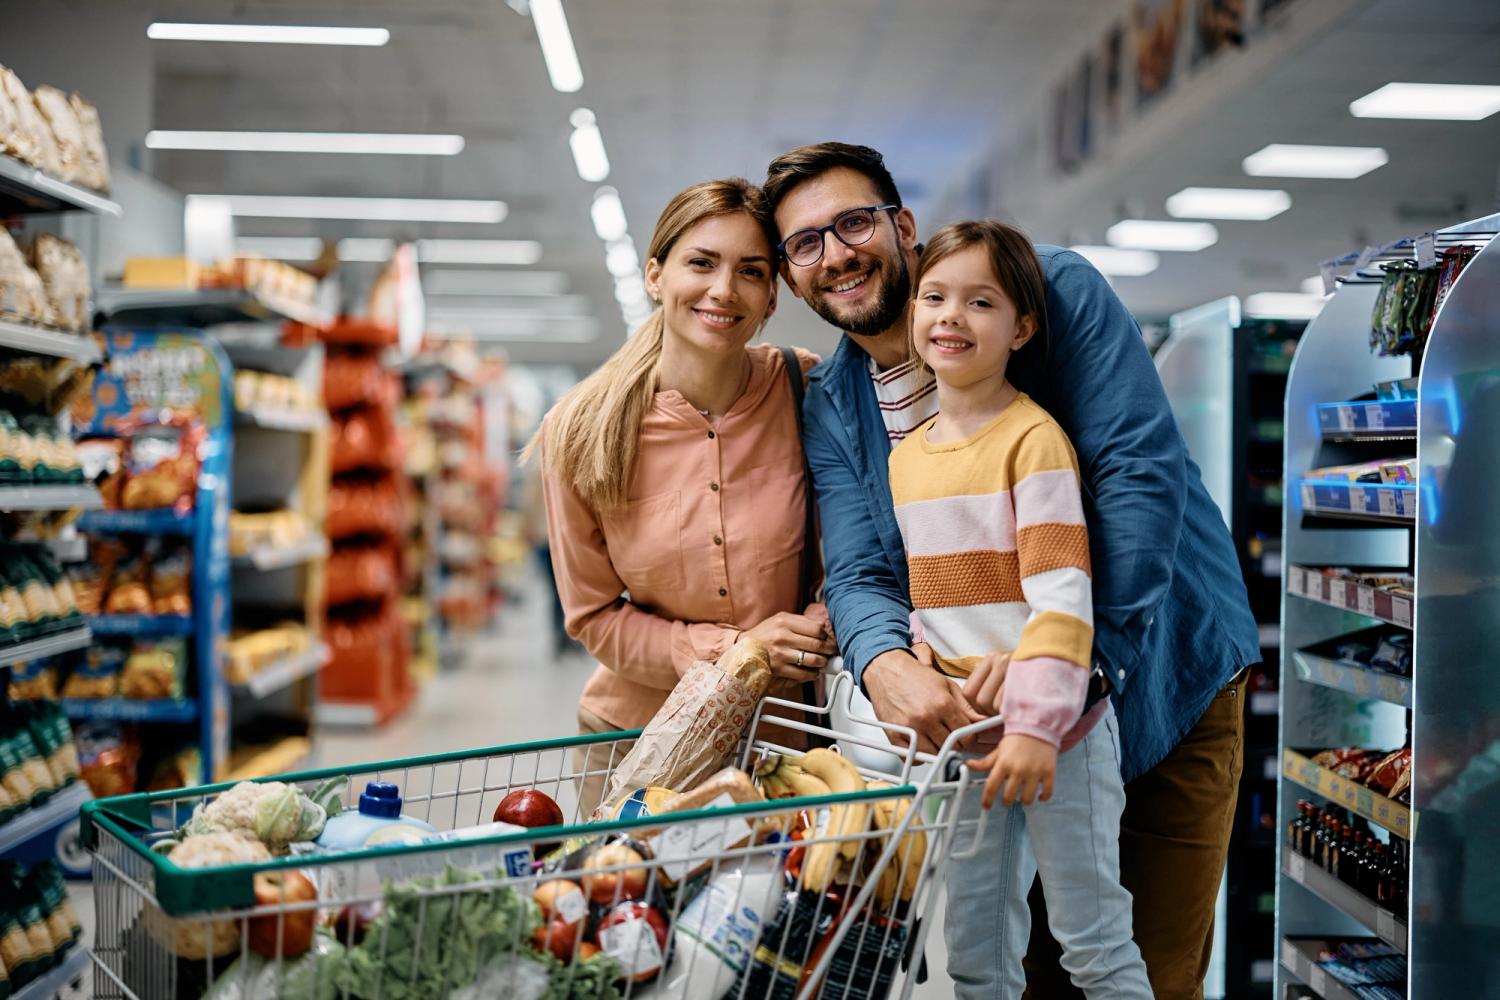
47,645
1369,421
1381,922
62,806
1391,503
1350,595
130,710
270,557
28,339
1393,816
26,190
296,421
1299,956
1353,678
200,308
163,521
145,626
51,497
55,980
277,758
284,672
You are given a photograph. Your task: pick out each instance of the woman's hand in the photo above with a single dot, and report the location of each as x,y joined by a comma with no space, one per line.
799,644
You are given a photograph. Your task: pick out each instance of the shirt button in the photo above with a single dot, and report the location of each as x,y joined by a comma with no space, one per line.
718,540
714,487
1122,674
711,435
723,592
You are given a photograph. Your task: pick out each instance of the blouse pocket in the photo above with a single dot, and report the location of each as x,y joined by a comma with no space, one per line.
645,543
779,495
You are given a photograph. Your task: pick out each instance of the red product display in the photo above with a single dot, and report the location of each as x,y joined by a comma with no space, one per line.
351,379
365,438
361,573
363,508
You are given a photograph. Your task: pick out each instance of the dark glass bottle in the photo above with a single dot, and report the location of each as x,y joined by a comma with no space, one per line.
1383,879
1348,872
1295,827
1368,873
1309,831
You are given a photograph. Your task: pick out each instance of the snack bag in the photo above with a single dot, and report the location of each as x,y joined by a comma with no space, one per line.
163,467
700,726
65,278
155,669
97,675
53,105
128,593
21,290
95,172
171,582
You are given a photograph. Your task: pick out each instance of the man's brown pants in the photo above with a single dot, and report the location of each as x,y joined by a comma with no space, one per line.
1174,835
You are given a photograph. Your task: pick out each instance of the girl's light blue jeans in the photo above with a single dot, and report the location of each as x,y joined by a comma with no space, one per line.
1073,841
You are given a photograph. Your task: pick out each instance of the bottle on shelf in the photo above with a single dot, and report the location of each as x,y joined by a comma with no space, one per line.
1310,832
1295,828
1383,877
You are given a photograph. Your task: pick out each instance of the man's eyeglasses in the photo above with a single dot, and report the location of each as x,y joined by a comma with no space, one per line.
853,228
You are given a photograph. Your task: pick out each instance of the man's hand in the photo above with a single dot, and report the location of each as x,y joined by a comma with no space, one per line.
907,690
1021,768
984,685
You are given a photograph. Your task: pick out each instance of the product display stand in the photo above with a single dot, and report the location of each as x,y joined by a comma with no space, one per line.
1225,375
1349,547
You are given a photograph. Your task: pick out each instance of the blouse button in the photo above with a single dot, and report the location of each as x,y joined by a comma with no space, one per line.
714,487
723,592
718,540
711,435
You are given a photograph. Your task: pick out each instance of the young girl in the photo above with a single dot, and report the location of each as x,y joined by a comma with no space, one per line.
987,497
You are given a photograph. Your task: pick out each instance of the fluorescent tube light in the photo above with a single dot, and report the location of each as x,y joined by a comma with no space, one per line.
1284,305
621,260
1338,162
517,252
588,147
280,34
281,247
609,215
557,45
1119,263
374,143
374,209
536,307
1457,102
366,250
1227,203
573,329
1153,234
442,282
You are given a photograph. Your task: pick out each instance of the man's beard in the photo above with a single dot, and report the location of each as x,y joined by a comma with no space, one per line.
880,317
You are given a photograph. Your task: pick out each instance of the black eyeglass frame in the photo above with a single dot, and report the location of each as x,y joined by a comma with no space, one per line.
832,227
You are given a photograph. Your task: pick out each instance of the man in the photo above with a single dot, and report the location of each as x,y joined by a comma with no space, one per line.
1173,629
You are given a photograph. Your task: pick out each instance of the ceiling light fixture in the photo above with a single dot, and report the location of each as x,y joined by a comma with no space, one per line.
281,247
557,45
588,146
1154,234
1458,102
1227,203
373,209
1284,305
372,143
522,253
1117,262
278,34
621,260
366,250
1336,162
608,214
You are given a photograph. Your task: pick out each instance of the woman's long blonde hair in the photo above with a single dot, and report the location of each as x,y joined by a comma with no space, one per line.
590,436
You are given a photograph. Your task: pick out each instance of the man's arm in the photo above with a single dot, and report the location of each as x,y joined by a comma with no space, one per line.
1109,399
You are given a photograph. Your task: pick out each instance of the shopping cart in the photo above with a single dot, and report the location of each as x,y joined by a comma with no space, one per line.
719,902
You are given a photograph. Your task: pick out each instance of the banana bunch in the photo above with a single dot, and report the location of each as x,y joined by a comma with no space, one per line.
821,772
899,878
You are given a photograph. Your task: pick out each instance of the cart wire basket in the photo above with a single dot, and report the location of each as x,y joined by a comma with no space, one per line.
810,896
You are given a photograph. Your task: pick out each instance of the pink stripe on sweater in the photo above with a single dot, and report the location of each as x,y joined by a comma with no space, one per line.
958,524
1048,496
1043,697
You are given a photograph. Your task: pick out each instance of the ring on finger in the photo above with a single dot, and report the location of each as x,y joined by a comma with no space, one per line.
801,657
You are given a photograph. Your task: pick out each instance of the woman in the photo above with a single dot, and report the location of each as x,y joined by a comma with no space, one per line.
675,490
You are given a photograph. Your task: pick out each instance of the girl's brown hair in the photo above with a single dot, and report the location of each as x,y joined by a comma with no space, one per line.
590,435
1012,257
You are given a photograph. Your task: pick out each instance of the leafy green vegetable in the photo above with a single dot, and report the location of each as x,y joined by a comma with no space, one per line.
307,977
434,936
278,816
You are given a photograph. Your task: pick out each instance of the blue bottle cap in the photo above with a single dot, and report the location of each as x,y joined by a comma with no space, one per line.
381,798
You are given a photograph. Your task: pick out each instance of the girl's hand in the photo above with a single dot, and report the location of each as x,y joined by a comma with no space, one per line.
1022,769
983,686
799,644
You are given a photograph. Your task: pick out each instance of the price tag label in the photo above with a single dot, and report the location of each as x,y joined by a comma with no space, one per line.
1366,599
1366,257
1388,503
1426,251
1330,283
1375,417
1401,611
1346,418
1385,925
1349,594
1297,869
1309,498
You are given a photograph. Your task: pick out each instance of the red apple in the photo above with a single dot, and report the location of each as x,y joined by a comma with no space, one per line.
562,900
287,933
529,808
350,925
605,887
557,936
585,951
635,934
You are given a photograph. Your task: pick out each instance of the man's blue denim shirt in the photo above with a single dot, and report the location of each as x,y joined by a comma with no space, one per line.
1172,622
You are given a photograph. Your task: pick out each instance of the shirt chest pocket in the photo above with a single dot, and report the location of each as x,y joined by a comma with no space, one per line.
776,508
645,543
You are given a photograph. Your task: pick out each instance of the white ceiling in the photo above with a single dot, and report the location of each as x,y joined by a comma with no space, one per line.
690,89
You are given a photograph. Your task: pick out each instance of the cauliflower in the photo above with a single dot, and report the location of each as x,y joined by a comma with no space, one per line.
202,937
273,812
207,850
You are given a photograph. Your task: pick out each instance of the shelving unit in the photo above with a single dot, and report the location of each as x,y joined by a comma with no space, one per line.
28,339
47,645
25,190
49,984
1440,531
1224,376
62,806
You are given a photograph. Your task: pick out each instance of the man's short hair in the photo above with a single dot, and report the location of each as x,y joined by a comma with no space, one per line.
796,166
